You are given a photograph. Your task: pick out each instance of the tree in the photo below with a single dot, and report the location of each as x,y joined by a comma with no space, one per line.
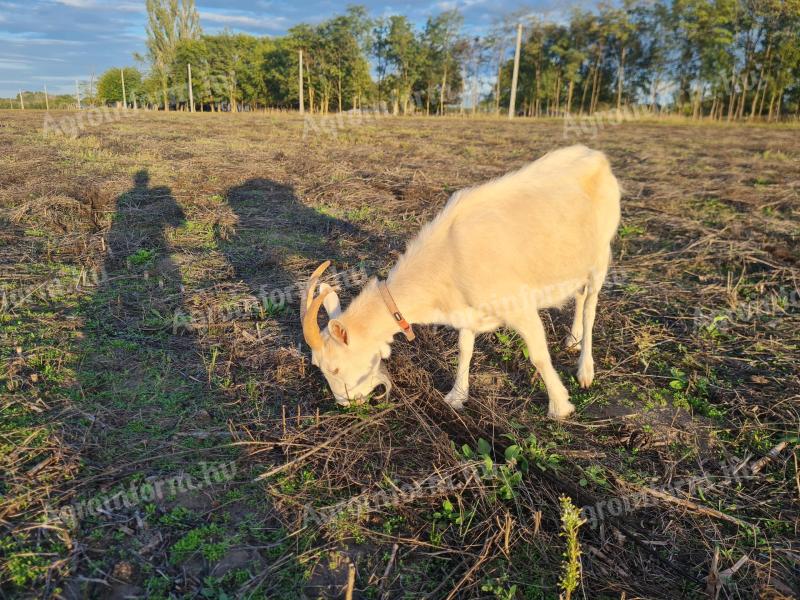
168,22
404,53
109,85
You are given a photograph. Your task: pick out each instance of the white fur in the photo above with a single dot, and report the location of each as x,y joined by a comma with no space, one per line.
494,256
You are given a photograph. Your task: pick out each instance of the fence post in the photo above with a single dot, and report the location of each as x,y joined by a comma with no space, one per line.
124,95
46,100
21,101
300,83
513,101
191,93
78,94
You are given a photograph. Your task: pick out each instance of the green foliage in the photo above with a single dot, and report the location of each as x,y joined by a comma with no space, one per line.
541,453
499,589
571,565
209,541
109,85
141,257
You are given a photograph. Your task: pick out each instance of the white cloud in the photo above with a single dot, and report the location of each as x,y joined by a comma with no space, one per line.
78,3
244,20
26,38
98,5
10,63
61,77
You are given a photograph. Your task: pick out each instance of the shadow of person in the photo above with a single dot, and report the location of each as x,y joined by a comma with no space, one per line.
138,229
278,241
140,385
132,360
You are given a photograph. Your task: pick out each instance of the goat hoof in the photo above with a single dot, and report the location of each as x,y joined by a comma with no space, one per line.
571,344
586,375
563,411
455,400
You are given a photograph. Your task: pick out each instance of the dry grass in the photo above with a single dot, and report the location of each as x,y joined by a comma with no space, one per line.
196,215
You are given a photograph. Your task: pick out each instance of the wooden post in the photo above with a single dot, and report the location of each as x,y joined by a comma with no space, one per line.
124,95
78,94
46,100
191,93
21,101
513,101
300,83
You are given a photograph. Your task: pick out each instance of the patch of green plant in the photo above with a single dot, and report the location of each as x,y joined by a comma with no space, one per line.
141,257
505,476
629,231
346,526
23,562
179,517
593,474
157,587
450,516
541,453
209,540
571,521
499,588
687,394
511,345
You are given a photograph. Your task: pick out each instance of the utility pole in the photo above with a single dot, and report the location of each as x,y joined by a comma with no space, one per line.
46,100
300,82
21,101
512,102
78,94
124,95
191,93
476,57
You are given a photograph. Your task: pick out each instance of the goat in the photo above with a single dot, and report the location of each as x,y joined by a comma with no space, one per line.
494,256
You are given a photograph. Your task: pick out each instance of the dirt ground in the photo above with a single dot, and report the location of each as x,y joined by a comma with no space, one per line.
164,435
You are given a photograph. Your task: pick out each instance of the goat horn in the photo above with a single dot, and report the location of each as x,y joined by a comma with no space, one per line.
305,302
310,327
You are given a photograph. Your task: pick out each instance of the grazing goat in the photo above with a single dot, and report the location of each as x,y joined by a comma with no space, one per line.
494,256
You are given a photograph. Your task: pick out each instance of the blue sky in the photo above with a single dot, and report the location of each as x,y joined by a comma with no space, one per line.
55,42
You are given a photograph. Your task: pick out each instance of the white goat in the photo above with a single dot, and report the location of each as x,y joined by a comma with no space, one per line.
495,255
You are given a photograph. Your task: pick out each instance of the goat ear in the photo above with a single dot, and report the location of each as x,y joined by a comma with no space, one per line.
338,331
331,301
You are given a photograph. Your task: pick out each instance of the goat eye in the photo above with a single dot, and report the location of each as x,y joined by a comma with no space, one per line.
335,372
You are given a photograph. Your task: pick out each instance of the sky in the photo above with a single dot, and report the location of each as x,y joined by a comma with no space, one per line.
55,42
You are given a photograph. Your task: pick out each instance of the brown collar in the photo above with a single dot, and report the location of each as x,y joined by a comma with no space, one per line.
390,304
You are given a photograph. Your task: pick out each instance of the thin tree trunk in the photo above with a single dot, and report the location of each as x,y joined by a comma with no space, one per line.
166,96
731,102
497,86
696,103
740,112
558,94
585,89
767,59
621,76
441,92
772,101
596,90
569,96
339,90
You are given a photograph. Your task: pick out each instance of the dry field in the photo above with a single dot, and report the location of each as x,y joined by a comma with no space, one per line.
150,374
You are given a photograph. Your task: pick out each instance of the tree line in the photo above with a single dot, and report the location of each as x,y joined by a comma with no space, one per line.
724,59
